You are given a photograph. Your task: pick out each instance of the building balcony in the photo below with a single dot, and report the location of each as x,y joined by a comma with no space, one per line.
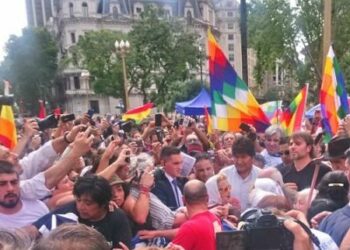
80,92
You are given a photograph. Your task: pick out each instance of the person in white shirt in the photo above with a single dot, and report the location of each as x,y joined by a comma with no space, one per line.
16,211
36,171
242,175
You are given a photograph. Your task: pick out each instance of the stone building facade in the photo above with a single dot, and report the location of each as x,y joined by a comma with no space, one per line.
70,19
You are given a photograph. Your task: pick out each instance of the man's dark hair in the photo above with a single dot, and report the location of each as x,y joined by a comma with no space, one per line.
335,186
195,192
7,168
305,136
96,187
243,145
202,156
284,140
169,151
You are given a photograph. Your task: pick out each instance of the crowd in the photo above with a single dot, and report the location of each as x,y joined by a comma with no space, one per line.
101,183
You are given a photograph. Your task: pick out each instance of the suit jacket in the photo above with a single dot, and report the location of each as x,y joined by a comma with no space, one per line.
163,188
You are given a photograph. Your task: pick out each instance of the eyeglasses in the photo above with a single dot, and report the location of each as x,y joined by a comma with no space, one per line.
192,140
285,152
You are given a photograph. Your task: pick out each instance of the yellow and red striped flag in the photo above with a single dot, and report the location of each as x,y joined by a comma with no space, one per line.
8,134
208,121
139,113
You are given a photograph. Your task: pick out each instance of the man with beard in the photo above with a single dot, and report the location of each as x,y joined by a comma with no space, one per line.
299,175
14,211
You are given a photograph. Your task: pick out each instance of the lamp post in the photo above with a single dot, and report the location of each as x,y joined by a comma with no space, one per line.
122,49
85,76
201,64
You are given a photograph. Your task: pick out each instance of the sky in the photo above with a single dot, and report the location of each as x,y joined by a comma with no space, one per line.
13,19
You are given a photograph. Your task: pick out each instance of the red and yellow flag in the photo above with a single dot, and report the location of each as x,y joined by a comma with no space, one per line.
208,121
8,134
293,115
139,113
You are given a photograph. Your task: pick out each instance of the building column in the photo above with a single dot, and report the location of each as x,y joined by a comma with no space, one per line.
34,14
53,9
43,10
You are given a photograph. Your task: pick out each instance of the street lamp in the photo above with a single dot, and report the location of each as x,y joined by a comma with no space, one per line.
122,49
85,76
201,63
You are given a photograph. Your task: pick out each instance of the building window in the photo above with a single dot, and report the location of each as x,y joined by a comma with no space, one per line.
211,18
231,47
231,57
72,37
76,82
229,13
71,9
85,9
189,17
138,10
115,12
167,13
230,36
95,106
201,10
230,26
74,58
67,83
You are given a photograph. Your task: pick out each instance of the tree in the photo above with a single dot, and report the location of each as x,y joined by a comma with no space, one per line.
164,54
180,91
95,52
272,34
31,65
310,25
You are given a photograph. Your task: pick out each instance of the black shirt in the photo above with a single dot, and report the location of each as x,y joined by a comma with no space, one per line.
303,177
114,226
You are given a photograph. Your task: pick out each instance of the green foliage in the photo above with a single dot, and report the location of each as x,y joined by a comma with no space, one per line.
181,91
310,25
163,54
95,52
272,33
31,65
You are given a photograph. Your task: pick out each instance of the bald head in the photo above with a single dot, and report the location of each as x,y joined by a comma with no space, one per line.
195,192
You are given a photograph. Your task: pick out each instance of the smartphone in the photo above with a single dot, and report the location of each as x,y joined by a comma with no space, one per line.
91,112
127,159
186,122
126,126
67,118
158,120
139,143
244,127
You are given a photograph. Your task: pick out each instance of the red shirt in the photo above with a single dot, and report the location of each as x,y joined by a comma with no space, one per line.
198,233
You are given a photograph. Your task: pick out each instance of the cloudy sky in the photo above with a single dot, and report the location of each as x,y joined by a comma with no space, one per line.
13,19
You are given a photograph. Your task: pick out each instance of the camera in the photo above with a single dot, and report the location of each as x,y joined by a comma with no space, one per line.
261,230
67,118
48,122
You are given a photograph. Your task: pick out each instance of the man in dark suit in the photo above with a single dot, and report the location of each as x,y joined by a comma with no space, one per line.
168,183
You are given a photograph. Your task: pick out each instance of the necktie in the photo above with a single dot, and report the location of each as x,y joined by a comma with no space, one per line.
174,182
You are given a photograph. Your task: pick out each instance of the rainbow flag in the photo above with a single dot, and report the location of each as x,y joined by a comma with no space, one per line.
333,96
139,113
293,115
232,101
8,134
273,111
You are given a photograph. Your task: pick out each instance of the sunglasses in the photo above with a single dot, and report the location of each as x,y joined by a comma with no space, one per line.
285,152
